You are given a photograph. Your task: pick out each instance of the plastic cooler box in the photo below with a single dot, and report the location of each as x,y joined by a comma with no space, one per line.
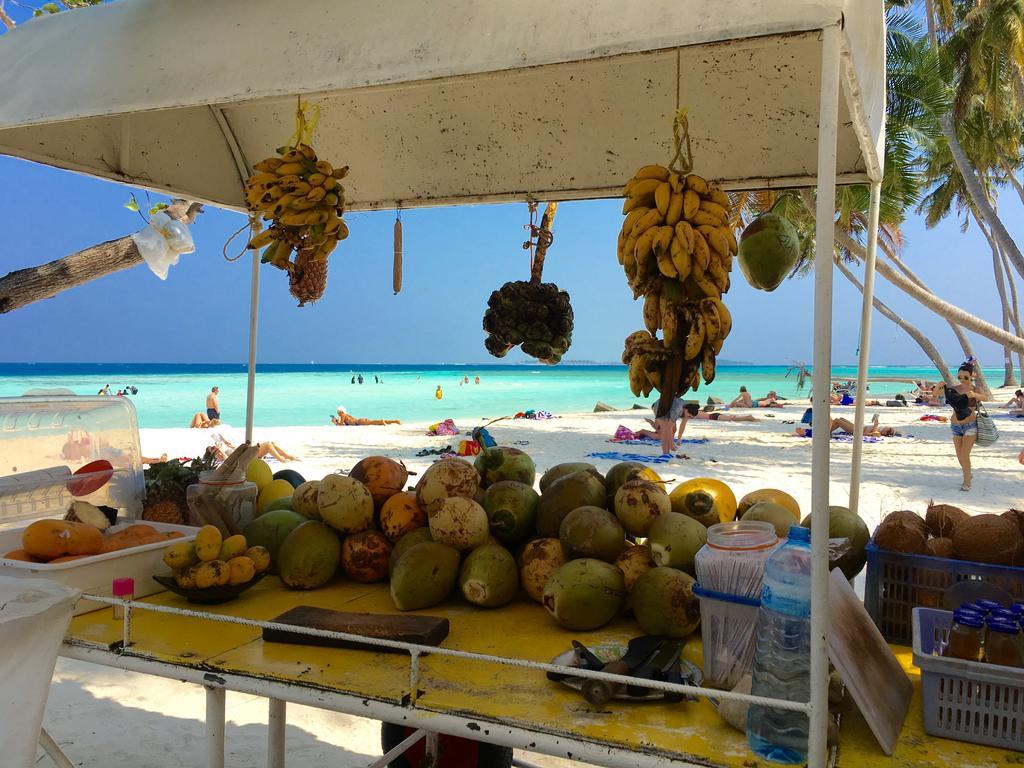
966,700
728,631
43,440
897,583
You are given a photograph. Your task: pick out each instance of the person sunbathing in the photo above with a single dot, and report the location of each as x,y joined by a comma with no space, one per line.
743,400
222,447
344,419
771,400
1016,404
202,421
843,426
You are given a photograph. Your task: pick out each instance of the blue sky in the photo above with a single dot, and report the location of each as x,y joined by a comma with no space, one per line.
454,257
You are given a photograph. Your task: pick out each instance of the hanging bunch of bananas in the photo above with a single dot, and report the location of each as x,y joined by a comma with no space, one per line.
677,247
302,199
537,316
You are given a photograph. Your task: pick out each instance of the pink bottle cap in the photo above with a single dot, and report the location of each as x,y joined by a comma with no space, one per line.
124,587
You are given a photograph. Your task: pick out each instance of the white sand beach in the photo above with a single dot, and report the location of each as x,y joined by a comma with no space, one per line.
94,711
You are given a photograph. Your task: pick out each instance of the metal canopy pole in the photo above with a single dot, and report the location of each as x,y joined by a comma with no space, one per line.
254,313
865,344
828,116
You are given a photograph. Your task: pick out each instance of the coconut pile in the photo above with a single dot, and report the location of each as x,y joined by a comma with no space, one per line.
948,531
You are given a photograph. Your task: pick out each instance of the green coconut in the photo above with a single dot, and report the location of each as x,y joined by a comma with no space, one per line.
511,509
497,464
489,576
580,489
584,594
592,532
844,524
623,472
664,604
768,251
561,470
674,540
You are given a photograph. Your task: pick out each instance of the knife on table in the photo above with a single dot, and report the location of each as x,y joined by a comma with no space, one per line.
656,667
640,649
585,659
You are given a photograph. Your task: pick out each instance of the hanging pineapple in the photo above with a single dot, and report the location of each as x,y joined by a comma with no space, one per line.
303,200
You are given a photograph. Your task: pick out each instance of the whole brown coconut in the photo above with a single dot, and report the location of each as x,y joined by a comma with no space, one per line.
988,539
365,556
941,519
939,547
908,518
383,477
1017,515
896,535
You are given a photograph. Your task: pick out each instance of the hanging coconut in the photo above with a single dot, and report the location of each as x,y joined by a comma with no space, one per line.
769,250
528,313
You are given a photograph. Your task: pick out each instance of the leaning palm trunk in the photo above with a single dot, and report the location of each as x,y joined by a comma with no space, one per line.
972,184
944,309
1015,314
1009,378
915,333
961,337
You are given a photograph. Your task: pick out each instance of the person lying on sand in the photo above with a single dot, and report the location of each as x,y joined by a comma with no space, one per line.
683,415
845,427
202,421
222,446
343,419
1016,404
771,400
744,400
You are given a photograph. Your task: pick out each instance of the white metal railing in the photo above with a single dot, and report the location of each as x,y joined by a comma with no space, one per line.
415,651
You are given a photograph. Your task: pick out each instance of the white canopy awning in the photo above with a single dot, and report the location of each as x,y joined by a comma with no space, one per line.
449,101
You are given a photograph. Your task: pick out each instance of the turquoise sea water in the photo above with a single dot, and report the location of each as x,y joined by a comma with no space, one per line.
296,395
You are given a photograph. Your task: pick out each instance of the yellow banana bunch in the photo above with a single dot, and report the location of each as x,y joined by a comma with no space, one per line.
676,245
302,200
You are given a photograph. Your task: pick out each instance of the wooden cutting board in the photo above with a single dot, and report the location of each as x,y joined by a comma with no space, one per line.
421,630
871,672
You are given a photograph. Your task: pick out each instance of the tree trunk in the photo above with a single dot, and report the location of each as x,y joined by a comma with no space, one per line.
1012,177
1015,314
1009,379
940,307
24,286
965,344
915,333
972,185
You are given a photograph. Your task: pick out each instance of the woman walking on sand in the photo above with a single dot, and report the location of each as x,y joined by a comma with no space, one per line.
964,399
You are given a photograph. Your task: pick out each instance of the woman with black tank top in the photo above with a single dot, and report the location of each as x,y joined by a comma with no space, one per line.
963,398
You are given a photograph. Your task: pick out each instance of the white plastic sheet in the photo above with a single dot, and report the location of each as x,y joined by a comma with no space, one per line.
34,616
161,242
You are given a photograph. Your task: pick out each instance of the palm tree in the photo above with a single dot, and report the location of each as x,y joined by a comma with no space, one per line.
974,46
983,140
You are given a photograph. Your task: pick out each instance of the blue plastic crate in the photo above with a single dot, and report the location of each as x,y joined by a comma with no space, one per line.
966,700
897,583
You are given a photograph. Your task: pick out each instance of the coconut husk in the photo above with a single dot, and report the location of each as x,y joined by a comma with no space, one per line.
1017,515
941,519
939,547
896,534
908,518
989,539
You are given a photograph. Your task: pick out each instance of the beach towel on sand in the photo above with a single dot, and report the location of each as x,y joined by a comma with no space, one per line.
626,436
866,438
617,456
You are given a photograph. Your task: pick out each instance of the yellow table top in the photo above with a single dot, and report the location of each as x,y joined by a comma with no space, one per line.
518,697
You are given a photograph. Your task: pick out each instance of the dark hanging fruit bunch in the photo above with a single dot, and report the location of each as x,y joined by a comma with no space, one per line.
528,313
537,317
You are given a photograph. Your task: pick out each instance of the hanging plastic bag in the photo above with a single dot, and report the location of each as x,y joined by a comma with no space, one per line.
161,242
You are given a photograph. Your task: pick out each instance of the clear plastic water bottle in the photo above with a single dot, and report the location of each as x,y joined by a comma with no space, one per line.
782,658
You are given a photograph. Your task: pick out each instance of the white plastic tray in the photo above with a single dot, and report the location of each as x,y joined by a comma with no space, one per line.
94,575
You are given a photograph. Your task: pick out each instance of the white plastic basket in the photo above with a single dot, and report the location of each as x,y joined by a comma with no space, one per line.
967,700
728,628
